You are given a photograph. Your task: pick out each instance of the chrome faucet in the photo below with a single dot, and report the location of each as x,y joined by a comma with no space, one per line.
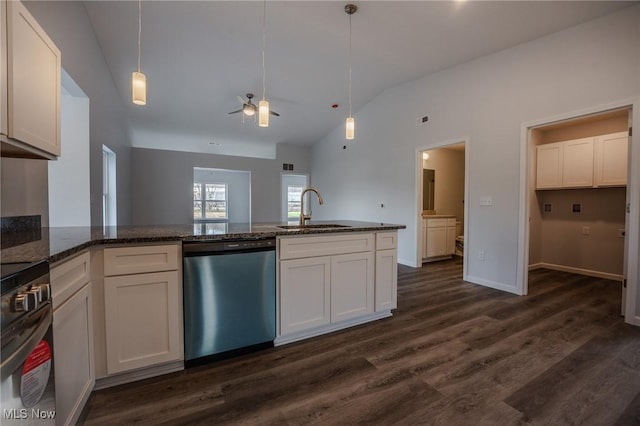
305,217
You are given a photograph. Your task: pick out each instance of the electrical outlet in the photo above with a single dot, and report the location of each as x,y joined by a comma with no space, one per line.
486,201
481,255
586,230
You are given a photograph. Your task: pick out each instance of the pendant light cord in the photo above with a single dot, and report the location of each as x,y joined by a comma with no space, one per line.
139,30
349,65
264,37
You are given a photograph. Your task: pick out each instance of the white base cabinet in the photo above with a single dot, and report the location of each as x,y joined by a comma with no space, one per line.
142,307
440,241
73,337
305,293
335,281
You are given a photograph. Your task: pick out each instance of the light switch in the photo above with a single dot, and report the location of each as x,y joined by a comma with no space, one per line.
486,201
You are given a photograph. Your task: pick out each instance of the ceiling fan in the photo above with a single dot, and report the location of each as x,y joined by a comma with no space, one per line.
248,107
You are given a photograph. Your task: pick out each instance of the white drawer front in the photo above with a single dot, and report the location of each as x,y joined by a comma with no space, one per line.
451,222
140,259
386,240
68,277
294,248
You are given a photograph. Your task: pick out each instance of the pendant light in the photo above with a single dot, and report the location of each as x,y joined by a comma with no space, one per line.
138,79
350,125
263,105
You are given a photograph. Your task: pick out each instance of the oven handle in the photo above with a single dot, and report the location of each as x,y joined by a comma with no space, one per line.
14,360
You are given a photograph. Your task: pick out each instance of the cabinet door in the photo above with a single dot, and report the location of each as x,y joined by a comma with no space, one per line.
33,72
352,285
143,320
549,166
424,238
305,291
577,163
611,159
437,241
73,355
386,280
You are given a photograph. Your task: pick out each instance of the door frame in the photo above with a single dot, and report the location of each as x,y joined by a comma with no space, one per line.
418,197
632,220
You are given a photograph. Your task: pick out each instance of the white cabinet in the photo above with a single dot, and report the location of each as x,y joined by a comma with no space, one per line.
142,309
577,163
73,337
352,285
305,293
583,163
440,238
386,274
332,281
611,159
424,238
31,101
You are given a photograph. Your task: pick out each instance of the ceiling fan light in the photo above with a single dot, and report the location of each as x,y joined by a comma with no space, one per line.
138,88
350,128
263,113
248,110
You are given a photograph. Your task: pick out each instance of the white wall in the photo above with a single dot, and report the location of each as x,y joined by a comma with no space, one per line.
162,182
485,101
68,25
23,188
69,175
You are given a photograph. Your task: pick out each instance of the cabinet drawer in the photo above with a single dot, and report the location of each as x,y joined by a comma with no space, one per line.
68,277
293,248
140,259
436,223
451,221
386,240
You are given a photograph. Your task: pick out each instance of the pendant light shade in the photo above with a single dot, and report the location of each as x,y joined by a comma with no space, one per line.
138,88
263,113
350,125
350,128
138,79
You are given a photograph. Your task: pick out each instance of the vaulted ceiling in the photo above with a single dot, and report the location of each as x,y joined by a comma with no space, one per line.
200,55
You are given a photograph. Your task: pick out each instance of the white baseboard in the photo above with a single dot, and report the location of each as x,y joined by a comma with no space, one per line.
492,284
408,263
306,334
579,271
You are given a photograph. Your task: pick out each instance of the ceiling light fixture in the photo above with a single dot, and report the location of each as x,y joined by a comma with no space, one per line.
263,105
350,127
138,79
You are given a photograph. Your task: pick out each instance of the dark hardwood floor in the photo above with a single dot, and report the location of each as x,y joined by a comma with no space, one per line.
454,353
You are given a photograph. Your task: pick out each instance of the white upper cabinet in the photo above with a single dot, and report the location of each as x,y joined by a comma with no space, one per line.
31,118
549,166
611,159
583,163
577,163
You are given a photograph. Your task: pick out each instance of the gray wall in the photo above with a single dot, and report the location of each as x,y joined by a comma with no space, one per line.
485,101
162,182
68,25
24,189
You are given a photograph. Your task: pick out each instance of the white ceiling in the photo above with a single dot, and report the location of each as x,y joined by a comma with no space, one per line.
199,56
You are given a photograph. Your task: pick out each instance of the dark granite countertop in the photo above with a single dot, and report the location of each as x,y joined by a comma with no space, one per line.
56,244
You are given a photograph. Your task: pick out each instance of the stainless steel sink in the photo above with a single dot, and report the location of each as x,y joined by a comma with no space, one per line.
313,226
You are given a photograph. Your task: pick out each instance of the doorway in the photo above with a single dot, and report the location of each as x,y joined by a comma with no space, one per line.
442,182
590,223
109,207
291,191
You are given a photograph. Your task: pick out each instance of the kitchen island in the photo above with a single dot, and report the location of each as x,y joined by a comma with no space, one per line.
118,293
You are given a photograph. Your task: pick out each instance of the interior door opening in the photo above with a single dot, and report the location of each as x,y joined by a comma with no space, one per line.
291,190
578,195
442,190
109,207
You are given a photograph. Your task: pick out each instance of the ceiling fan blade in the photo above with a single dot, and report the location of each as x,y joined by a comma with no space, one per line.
235,112
274,113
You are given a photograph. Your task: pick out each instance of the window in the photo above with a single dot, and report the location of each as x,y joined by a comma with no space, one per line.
210,201
292,187
293,201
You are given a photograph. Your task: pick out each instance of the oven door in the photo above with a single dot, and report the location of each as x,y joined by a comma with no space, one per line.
26,370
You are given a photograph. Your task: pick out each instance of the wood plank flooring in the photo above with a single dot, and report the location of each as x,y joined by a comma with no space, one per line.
454,353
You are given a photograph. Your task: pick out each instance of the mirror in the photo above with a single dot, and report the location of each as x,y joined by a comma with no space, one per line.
428,189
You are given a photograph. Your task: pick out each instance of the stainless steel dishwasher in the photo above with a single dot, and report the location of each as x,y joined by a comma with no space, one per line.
229,298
